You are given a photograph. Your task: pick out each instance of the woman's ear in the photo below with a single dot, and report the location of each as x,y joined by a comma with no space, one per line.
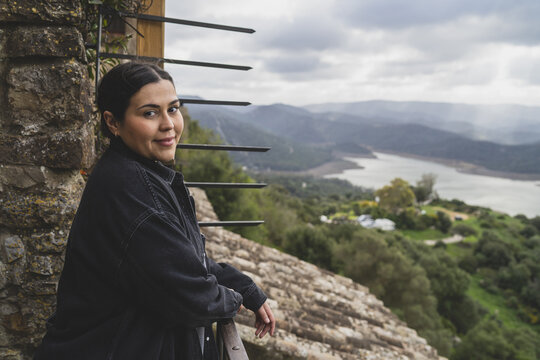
111,122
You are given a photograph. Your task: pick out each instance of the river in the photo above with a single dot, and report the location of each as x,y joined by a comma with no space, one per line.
505,195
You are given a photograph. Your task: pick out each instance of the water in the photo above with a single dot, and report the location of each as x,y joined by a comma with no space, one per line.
505,195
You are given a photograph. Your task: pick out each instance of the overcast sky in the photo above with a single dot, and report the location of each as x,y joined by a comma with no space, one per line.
316,51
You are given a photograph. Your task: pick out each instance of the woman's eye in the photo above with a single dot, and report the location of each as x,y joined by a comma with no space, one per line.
150,113
173,109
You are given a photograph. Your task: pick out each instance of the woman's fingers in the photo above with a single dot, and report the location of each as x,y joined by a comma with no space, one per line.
265,321
271,318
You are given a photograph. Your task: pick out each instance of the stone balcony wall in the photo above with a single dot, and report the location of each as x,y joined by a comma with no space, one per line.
47,138
320,315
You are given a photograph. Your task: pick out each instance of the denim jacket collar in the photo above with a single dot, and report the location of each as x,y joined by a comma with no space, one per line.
167,174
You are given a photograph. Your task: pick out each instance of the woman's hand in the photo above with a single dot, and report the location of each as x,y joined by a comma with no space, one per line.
264,321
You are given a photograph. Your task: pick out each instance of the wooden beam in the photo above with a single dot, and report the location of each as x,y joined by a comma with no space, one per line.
154,32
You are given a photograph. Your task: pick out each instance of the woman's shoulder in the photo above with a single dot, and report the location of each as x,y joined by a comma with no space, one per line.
117,171
126,181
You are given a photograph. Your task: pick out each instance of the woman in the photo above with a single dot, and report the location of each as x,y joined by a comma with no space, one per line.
137,283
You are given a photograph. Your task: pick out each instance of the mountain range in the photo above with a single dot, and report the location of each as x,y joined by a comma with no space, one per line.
306,137
504,124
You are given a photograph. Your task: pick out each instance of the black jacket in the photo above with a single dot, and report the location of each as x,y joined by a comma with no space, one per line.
136,280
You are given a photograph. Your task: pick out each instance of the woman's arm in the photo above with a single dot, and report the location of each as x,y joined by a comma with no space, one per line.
163,272
232,278
254,297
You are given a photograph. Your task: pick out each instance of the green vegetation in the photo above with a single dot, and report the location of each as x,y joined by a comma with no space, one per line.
484,290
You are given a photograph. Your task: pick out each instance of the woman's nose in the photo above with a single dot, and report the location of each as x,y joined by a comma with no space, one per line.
166,122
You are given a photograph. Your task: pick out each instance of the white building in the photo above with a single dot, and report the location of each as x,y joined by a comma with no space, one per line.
369,223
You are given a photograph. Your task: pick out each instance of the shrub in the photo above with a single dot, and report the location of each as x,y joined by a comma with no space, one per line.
528,231
463,230
532,242
309,244
514,277
535,221
486,341
492,252
443,222
522,218
468,263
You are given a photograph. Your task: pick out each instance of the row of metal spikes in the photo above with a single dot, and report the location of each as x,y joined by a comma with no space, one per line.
110,11
226,185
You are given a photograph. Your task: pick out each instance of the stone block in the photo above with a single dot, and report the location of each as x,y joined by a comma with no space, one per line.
54,241
17,272
42,265
41,288
70,149
27,211
13,248
61,41
8,309
15,322
21,177
49,206
10,354
48,96
36,11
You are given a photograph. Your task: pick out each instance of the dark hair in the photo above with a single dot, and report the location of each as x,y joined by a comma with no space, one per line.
117,87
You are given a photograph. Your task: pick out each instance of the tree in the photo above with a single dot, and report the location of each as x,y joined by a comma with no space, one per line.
464,230
424,187
396,196
395,279
309,244
443,222
486,341
490,251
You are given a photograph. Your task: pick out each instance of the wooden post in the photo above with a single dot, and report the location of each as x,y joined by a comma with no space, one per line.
154,32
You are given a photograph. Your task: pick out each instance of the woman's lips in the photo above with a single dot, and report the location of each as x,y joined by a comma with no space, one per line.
166,141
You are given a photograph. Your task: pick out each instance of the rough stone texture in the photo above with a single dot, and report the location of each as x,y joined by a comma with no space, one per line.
67,149
51,201
19,41
52,95
39,11
47,138
320,315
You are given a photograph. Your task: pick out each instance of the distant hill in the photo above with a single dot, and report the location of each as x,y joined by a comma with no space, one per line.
505,124
293,127
285,155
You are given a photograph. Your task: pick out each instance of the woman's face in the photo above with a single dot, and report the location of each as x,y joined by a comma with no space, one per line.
152,123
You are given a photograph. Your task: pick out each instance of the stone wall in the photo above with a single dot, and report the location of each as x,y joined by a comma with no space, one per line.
320,315
47,138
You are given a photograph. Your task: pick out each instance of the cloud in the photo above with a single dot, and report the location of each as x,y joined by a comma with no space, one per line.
307,51
303,33
293,64
400,14
524,66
